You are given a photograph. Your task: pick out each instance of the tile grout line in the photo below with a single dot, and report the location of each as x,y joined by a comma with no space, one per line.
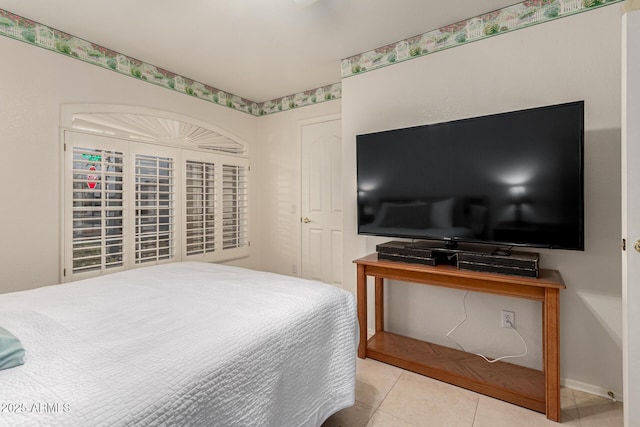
475,413
391,388
387,395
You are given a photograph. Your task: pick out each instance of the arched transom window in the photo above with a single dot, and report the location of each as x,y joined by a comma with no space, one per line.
145,187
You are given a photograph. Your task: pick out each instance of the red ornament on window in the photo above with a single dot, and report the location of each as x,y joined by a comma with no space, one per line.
92,179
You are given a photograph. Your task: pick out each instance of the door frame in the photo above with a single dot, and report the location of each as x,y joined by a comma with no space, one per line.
301,124
630,204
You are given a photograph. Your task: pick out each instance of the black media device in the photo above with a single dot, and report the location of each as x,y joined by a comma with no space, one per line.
508,179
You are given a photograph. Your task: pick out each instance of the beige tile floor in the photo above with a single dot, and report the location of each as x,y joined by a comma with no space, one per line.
387,396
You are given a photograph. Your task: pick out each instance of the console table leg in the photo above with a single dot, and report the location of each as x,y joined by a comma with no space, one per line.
552,352
379,304
362,311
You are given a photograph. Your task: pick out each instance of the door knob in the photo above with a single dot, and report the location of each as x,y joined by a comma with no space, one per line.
636,245
306,220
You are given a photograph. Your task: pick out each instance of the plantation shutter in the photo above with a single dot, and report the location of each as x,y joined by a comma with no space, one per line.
129,204
234,206
96,204
200,207
154,208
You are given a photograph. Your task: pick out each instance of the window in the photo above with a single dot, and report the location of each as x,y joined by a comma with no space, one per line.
201,207
154,215
234,208
129,204
97,209
215,207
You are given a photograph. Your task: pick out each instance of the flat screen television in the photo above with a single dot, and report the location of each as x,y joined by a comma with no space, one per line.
508,179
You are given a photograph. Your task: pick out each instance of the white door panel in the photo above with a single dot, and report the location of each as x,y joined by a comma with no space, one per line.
631,215
322,202
336,257
313,270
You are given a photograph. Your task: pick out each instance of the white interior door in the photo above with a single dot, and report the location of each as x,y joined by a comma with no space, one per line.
631,215
322,201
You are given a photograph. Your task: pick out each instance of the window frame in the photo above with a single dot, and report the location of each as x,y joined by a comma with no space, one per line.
68,210
220,254
131,148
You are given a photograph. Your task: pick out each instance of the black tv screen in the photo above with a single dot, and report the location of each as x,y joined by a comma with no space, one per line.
513,179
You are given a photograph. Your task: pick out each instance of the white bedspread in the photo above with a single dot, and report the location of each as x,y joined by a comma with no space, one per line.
184,344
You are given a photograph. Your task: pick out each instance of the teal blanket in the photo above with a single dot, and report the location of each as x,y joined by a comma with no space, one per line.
11,350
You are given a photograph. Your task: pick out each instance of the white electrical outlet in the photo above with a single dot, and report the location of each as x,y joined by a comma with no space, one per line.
508,319
294,269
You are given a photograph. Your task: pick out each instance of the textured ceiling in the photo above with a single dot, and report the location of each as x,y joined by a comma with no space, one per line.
257,49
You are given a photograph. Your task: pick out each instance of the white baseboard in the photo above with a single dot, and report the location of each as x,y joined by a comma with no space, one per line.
591,389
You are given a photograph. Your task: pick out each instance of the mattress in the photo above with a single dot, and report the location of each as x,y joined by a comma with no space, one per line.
189,344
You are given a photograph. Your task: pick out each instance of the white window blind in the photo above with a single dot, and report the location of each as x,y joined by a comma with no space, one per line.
234,207
97,209
130,203
155,209
200,207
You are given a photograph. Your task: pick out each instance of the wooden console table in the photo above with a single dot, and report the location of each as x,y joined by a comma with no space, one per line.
533,389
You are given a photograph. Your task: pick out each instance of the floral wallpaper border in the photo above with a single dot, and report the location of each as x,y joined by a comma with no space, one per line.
511,18
517,16
28,31
302,99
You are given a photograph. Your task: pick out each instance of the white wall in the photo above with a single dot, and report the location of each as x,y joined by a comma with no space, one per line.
35,83
566,60
276,172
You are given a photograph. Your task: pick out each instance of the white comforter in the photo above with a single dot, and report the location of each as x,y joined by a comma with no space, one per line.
185,344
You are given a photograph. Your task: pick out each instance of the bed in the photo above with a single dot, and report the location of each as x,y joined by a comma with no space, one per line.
189,344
